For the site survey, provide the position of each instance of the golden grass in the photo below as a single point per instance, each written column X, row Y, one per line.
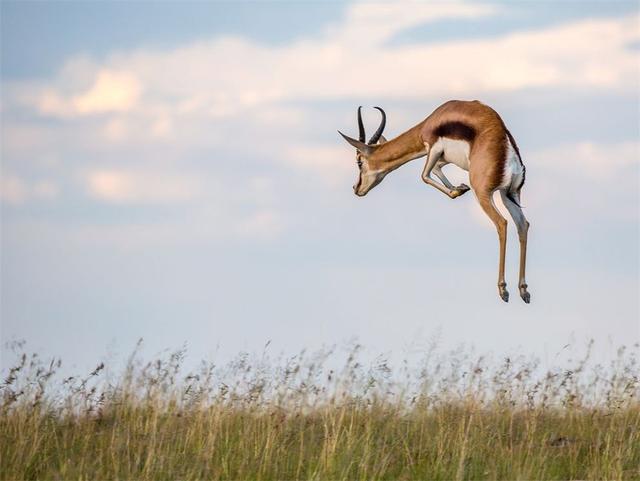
column 450, row 418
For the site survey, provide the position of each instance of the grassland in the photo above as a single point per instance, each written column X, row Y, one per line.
column 451, row 416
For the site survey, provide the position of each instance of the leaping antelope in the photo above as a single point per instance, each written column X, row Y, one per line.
column 470, row 135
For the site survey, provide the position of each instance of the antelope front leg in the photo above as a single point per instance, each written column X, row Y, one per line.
column 452, row 192
column 462, row 188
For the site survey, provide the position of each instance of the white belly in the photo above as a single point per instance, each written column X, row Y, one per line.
column 453, row 152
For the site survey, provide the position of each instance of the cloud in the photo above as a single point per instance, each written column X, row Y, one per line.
column 213, row 210
column 330, row 164
column 263, row 224
column 111, row 91
column 596, row 180
column 588, row 179
column 248, row 109
column 141, row 187
column 590, row 159
column 238, row 89
column 201, row 225
column 232, row 75
column 15, row 190
column 377, row 22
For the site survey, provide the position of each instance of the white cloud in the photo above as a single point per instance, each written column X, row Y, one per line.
column 330, row 164
column 238, row 101
column 144, row 96
column 203, row 223
column 589, row 159
column 15, row 190
column 214, row 210
column 12, row 189
column 230, row 75
column 263, row 224
column 588, row 179
column 146, row 187
column 596, row 180
column 376, row 23
column 111, row 91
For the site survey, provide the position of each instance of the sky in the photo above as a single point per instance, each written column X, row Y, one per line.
column 172, row 172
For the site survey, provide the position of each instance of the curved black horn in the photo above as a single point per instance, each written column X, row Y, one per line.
column 378, row 133
column 361, row 137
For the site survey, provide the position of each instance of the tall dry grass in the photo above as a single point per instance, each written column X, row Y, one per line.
column 449, row 417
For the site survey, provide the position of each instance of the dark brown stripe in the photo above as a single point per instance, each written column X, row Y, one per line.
column 456, row 130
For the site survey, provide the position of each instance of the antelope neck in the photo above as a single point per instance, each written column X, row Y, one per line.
column 398, row 151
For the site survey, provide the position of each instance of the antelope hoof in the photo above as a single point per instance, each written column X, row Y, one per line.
column 526, row 297
column 504, row 294
column 459, row 190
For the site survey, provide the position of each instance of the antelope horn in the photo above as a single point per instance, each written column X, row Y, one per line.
column 378, row 133
column 361, row 137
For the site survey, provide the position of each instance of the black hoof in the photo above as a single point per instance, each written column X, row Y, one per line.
column 504, row 294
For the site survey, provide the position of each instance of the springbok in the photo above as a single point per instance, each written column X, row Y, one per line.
column 470, row 135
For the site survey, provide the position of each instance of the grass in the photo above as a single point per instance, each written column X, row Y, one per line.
column 449, row 417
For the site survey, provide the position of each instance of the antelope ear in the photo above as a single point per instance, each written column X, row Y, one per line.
column 382, row 140
column 361, row 146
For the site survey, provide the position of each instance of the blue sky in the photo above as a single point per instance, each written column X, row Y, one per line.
column 172, row 171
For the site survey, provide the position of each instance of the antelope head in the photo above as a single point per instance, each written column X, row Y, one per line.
column 370, row 174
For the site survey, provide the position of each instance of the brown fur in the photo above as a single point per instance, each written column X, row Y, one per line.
column 473, row 121
column 393, row 153
column 487, row 135
column 488, row 148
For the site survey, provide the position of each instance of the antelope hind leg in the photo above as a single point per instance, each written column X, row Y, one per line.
column 523, row 228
